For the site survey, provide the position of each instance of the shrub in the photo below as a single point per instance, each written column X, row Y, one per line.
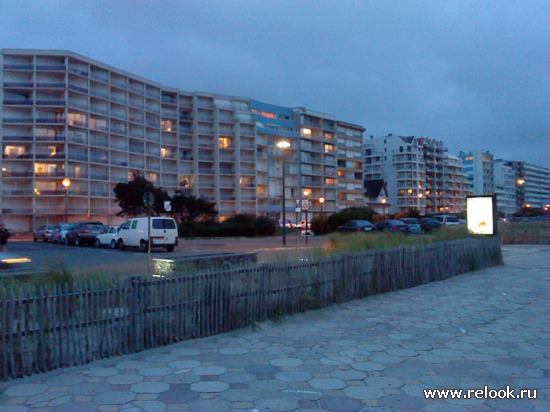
column 265, row 226
column 239, row 225
column 319, row 225
column 193, row 229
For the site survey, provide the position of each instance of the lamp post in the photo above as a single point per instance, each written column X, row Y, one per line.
column 322, row 202
column 307, row 192
column 384, row 200
column 66, row 183
column 283, row 145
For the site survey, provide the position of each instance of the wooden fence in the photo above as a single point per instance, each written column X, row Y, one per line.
column 75, row 324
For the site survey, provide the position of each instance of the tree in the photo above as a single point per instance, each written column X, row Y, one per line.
column 130, row 196
column 191, row 209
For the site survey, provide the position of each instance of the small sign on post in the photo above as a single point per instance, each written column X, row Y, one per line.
column 305, row 204
column 148, row 201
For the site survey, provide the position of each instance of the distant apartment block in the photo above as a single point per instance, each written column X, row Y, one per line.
column 532, row 185
column 64, row 115
column 405, row 173
column 505, row 187
column 479, row 170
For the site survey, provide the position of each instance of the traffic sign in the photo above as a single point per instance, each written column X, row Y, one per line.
column 305, row 204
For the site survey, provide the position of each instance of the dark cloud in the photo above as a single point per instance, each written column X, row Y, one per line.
column 474, row 74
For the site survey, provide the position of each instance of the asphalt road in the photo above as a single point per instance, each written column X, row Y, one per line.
column 88, row 259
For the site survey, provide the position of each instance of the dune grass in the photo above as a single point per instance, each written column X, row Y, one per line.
column 355, row 242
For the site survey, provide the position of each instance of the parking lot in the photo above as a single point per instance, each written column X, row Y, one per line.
column 88, row 259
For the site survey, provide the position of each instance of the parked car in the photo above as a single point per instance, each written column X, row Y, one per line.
column 413, row 223
column 84, row 233
column 135, row 232
column 447, row 220
column 43, row 233
column 110, row 238
column 289, row 224
column 60, row 231
column 392, row 225
column 429, row 223
column 302, row 224
column 356, row 226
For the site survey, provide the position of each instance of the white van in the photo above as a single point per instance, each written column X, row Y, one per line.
column 133, row 233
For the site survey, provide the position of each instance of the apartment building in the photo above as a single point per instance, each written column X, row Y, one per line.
column 479, row 170
column 349, row 138
column 505, row 187
column 404, row 173
column 532, row 185
column 72, row 128
column 318, row 162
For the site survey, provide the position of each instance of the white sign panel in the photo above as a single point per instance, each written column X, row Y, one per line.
column 480, row 215
column 305, row 204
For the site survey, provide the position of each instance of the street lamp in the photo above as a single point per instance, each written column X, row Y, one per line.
column 306, row 192
column 322, row 202
column 66, row 183
column 283, row 145
column 384, row 200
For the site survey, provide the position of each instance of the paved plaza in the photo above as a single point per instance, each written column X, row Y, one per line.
column 489, row 328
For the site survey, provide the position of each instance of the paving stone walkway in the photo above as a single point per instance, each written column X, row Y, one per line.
column 490, row 327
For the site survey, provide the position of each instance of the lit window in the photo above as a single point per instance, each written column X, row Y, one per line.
column 329, row 148
column 224, row 142
column 306, row 132
column 14, row 151
column 76, row 119
column 410, row 191
column 166, row 125
column 163, row 152
column 270, row 115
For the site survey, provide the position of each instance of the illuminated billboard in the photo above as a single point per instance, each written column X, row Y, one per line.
column 482, row 219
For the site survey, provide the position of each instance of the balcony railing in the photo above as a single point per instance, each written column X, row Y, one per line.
column 51, row 67
column 50, row 85
column 18, row 102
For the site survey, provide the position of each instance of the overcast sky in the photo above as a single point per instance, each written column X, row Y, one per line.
column 475, row 74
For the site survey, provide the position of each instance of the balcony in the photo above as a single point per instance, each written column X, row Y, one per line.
column 51, row 120
column 55, row 102
column 50, row 85
column 18, row 66
column 17, row 119
column 51, row 67
column 78, row 88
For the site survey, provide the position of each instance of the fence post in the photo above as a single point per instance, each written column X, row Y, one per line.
column 136, row 315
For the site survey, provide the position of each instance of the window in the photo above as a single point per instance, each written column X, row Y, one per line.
column 166, row 125
column 134, row 224
column 163, row 224
column 224, row 142
column 77, row 119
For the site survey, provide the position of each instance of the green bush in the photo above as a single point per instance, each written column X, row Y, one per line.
column 239, row 225
column 265, row 226
column 319, row 225
column 193, row 229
